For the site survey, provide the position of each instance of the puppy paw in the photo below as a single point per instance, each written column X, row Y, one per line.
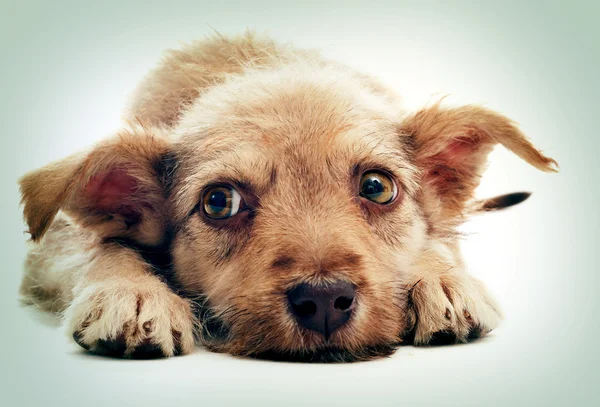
column 131, row 320
column 450, row 308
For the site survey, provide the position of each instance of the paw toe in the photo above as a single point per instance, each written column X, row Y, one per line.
column 111, row 347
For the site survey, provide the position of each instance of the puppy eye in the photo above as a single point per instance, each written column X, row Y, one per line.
column 378, row 187
column 221, row 202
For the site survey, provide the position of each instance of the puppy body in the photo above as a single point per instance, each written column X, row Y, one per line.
column 294, row 134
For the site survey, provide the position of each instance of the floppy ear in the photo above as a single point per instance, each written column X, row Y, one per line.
column 118, row 189
column 451, row 149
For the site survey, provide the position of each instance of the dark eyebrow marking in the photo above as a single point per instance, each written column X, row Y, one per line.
column 343, row 260
column 355, row 170
column 283, row 262
column 165, row 169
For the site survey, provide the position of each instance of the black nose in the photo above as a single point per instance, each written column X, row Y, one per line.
column 322, row 308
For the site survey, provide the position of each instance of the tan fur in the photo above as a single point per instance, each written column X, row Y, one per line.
column 119, row 298
column 59, row 186
column 293, row 132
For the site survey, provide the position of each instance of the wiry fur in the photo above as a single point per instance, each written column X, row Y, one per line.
column 123, row 249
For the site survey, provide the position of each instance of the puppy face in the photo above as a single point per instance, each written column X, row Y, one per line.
column 297, row 155
column 301, row 152
column 297, row 205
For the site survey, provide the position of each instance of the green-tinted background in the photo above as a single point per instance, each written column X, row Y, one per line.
column 67, row 68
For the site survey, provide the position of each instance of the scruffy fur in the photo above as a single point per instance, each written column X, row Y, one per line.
column 121, row 249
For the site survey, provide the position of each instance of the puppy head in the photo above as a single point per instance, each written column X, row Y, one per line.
column 327, row 194
column 299, row 205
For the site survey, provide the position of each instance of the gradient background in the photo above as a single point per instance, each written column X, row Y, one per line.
column 66, row 71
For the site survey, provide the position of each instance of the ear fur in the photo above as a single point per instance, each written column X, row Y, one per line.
column 451, row 149
column 43, row 192
column 117, row 188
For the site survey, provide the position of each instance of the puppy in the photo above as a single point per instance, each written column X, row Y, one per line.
column 266, row 202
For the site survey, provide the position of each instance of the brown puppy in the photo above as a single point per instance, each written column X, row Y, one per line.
column 270, row 203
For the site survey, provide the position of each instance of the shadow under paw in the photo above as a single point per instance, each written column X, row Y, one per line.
column 117, row 348
column 446, row 337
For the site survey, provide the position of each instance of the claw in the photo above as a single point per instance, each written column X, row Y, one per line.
column 78, row 338
column 475, row 332
column 111, row 347
column 443, row 338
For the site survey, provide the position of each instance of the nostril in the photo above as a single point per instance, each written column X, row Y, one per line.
column 343, row 303
column 305, row 309
column 322, row 308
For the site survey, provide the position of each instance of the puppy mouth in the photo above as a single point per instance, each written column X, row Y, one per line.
column 330, row 354
column 217, row 336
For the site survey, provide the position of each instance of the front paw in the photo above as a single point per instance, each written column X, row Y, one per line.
column 127, row 319
column 450, row 308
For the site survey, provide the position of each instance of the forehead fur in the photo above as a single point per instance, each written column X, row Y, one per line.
column 323, row 120
column 292, row 91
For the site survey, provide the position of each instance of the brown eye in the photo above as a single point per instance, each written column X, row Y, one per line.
column 220, row 202
column 377, row 187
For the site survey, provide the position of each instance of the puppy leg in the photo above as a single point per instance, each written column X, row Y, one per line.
column 446, row 305
column 120, row 308
column 52, row 267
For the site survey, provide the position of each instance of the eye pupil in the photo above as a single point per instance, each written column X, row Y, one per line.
column 377, row 187
column 221, row 202
column 373, row 187
column 217, row 201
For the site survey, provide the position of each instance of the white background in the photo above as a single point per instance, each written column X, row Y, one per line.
column 67, row 71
